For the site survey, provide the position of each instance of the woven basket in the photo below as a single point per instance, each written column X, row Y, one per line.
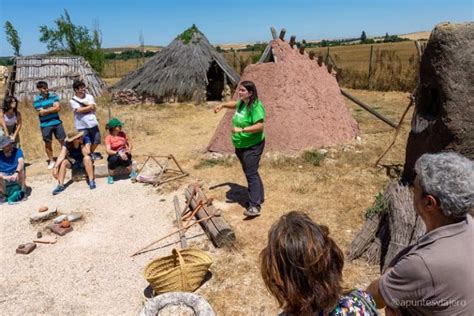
column 182, row 271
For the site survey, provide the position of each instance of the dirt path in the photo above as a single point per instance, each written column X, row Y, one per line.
column 89, row 269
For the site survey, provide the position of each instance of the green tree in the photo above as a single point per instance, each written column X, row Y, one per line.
column 68, row 38
column 363, row 37
column 13, row 38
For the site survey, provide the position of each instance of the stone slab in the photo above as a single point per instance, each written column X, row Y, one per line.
column 26, row 249
column 58, row 230
column 40, row 217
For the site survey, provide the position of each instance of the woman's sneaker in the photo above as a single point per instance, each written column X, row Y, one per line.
column 58, row 189
column 51, row 164
column 92, row 185
column 110, row 180
column 252, row 212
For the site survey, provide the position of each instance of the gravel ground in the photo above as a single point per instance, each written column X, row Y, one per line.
column 88, row 271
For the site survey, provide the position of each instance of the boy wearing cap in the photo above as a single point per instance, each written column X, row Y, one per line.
column 12, row 169
column 74, row 154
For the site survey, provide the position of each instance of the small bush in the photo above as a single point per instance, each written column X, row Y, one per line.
column 212, row 162
column 380, row 206
column 313, row 157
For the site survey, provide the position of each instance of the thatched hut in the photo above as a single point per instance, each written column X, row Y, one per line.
column 187, row 69
column 58, row 71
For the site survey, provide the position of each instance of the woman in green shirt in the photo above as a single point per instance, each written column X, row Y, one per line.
column 249, row 140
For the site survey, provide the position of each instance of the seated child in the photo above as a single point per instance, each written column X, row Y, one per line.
column 74, row 154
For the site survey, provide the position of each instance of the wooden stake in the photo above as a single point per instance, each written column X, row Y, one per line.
column 274, row 33
column 282, row 34
column 302, row 49
column 396, row 131
column 311, row 55
column 292, row 41
column 320, row 60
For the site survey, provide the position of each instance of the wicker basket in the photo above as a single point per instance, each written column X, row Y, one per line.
column 182, row 271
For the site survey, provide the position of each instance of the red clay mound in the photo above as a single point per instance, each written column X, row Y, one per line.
column 303, row 103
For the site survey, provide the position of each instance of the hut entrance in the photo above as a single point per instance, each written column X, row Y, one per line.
column 215, row 76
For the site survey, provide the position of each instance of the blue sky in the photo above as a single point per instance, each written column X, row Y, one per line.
column 228, row 21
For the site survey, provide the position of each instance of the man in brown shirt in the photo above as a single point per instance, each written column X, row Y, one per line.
column 436, row 275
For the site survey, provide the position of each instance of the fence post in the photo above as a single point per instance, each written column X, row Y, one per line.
column 370, row 62
column 115, row 67
column 326, row 61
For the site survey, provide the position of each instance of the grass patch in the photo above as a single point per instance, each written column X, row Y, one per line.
column 212, row 162
column 313, row 157
column 380, row 206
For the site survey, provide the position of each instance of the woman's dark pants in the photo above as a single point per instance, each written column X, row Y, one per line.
column 250, row 158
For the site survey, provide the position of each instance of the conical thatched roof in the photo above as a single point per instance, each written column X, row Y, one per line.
column 58, row 71
column 180, row 69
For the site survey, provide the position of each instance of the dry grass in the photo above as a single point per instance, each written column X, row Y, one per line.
column 119, row 68
column 336, row 193
column 356, row 57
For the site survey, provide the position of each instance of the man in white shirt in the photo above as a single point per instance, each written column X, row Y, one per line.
column 83, row 105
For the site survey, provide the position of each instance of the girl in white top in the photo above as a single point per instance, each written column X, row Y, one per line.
column 10, row 119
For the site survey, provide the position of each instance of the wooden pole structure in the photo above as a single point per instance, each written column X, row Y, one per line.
column 326, row 61
column 311, row 55
column 368, row 108
column 274, row 33
column 292, row 41
column 282, row 34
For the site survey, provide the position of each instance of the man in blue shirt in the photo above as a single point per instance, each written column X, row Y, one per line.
column 47, row 105
column 12, row 166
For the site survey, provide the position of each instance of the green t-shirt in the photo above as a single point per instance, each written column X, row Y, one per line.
column 244, row 117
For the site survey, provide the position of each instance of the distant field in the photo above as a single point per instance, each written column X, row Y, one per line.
column 394, row 65
column 356, row 57
column 417, row 36
column 118, row 68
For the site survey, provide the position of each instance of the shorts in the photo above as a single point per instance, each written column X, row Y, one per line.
column 116, row 161
column 48, row 131
column 92, row 133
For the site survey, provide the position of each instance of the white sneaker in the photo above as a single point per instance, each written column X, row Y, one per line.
column 51, row 165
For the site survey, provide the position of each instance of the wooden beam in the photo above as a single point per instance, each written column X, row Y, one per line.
column 282, row 34
column 216, row 228
column 368, row 109
column 179, row 224
column 274, row 33
column 292, row 41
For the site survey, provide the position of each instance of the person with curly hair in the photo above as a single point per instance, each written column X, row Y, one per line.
column 302, row 268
